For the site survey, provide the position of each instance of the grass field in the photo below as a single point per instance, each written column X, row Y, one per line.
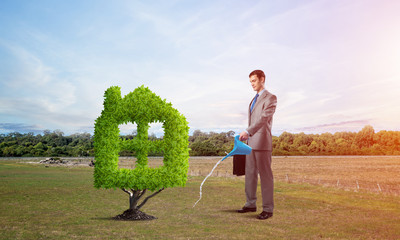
column 60, row 203
column 380, row 174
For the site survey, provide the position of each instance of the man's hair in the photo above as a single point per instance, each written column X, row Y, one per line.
column 259, row 74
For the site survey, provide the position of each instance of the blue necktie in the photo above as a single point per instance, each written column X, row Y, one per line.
column 254, row 102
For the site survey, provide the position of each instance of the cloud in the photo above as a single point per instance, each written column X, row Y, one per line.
column 335, row 127
column 20, row 127
column 37, row 79
column 197, row 56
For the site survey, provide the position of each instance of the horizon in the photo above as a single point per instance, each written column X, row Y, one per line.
column 333, row 65
column 125, row 133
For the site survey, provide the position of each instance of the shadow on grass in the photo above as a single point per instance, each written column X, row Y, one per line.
column 233, row 212
column 103, row 218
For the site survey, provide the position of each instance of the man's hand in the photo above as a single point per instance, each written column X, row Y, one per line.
column 243, row 136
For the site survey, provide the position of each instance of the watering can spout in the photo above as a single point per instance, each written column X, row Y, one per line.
column 239, row 148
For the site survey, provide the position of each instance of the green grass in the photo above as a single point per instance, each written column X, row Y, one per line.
column 61, row 203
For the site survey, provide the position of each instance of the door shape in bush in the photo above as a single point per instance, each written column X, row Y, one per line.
column 141, row 107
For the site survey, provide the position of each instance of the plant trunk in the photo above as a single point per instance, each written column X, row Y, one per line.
column 134, row 197
column 132, row 202
column 133, row 213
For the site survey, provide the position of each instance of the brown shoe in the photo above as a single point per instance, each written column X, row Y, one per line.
column 265, row 215
column 246, row 209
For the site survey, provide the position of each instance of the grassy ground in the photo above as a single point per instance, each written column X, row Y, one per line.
column 61, row 203
column 378, row 174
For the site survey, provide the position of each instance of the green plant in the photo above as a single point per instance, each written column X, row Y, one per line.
column 141, row 107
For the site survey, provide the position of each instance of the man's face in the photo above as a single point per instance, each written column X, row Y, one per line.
column 257, row 84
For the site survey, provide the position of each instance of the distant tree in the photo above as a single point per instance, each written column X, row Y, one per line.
column 211, row 144
column 39, row 149
column 365, row 138
column 314, row 147
column 203, row 148
column 302, row 139
column 287, row 138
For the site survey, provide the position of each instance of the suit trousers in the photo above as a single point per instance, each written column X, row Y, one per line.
column 259, row 162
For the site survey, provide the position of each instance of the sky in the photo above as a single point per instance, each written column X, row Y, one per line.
column 333, row 65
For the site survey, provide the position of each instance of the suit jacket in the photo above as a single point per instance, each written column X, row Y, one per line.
column 260, row 122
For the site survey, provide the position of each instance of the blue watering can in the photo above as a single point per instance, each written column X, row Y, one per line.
column 239, row 148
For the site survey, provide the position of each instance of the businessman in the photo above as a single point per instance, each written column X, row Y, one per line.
column 259, row 138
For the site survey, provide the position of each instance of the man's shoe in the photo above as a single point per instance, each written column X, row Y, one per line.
column 265, row 215
column 246, row 209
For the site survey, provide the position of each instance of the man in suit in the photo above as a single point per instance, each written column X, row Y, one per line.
column 259, row 137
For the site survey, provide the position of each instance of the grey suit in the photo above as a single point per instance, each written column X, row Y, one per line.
column 259, row 161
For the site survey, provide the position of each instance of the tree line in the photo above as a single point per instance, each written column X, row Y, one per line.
column 51, row 144
column 364, row 142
